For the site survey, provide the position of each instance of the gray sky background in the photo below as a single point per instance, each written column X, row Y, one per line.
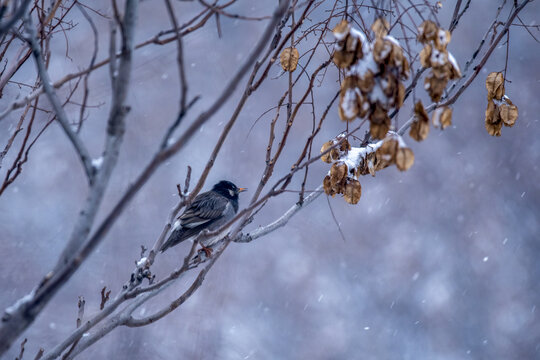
column 439, row 262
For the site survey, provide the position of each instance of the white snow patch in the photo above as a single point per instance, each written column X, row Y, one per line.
column 349, row 104
column 437, row 116
column 25, row 299
column 453, row 61
column 96, row 163
column 377, row 94
column 392, row 39
column 142, row 262
column 438, row 57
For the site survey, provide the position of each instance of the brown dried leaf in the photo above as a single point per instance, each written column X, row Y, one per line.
column 404, row 158
column 289, row 59
column 495, row 85
column 509, row 114
column 380, row 27
column 352, row 192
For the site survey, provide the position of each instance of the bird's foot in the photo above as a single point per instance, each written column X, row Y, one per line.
column 207, row 251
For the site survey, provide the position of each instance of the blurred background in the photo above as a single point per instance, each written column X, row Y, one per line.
column 439, row 262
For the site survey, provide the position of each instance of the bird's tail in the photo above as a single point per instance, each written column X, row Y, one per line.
column 176, row 236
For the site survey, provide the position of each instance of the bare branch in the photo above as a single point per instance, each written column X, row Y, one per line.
column 281, row 221
column 18, row 14
column 61, row 115
column 23, row 313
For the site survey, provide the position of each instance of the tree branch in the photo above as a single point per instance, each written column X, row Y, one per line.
column 61, row 115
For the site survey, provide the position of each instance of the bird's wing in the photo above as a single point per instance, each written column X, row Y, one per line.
column 206, row 207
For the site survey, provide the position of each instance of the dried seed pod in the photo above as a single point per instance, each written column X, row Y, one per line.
column 493, row 119
column 404, row 68
column 382, row 49
column 338, row 173
column 442, row 117
column 427, row 31
column 435, row 86
column 495, row 85
column 390, row 85
column 289, row 59
column 509, row 114
column 349, row 99
column 366, row 82
column 327, row 185
column 341, row 30
column 420, row 126
column 494, row 129
column 327, row 158
column 378, row 114
column 379, row 131
column 491, row 112
column 370, row 162
column 343, row 59
column 399, row 96
column 386, row 154
column 425, row 56
column 404, row 158
column 349, row 104
column 442, row 39
column 380, row 27
column 344, row 146
column 352, row 192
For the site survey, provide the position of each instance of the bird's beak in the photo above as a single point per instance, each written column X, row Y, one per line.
column 242, row 190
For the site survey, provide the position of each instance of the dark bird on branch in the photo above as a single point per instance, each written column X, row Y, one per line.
column 208, row 211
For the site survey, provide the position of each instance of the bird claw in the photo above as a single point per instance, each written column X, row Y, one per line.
column 207, row 251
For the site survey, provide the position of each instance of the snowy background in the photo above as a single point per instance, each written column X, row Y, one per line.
column 439, row 262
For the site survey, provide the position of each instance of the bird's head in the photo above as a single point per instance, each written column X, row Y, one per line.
column 228, row 189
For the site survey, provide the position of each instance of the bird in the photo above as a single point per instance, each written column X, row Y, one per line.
column 208, row 211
